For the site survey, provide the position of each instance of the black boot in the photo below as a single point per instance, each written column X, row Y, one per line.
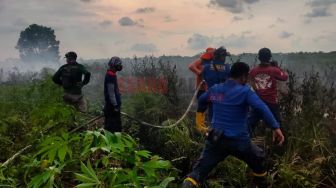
column 259, row 182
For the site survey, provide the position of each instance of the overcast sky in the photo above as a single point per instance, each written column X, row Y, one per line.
column 104, row 28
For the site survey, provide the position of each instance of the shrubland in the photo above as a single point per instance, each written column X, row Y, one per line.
column 32, row 113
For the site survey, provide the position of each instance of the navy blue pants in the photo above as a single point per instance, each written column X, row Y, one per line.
column 112, row 119
column 216, row 151
column 255, row 116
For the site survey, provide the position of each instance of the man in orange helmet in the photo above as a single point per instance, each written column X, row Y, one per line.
column 197, row 68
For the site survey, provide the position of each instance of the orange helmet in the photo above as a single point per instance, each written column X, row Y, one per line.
column 209, row 53
column 210, row 50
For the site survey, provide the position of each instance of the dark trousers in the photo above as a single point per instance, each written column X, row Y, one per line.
column 112, row 119
column 255, row 116
column 77, row 101
column 217, row 148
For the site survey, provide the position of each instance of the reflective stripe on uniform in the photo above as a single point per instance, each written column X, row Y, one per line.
column 194, row 182
column 259, row 175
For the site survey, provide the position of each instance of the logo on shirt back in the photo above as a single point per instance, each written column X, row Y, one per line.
column 218, row 67
column 216, row 97
column 263, row 81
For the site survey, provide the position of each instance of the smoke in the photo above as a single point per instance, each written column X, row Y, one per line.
column 10, row 67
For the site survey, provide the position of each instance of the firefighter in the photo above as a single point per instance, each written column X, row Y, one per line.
column 229, row 133
column 215, row 72
column 197, row 68
column 264, row 79
column 112, row 96
column 70, row 77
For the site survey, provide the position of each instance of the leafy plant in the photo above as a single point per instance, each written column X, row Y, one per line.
column 46, row 178
column 89, row 177
column 6, row 181
column 118, row 163
column 57, row 147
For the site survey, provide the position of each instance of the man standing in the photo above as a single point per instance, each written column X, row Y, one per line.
column 217, row 71
column 112, row 96
column 264, row 79
column 213, row 73
column 197, row 68
column 70, row 76
column 229, row 133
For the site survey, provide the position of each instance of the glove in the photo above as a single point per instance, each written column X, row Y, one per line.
column 200, row 123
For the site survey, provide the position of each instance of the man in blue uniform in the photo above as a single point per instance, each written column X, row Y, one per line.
column 229, row 133
column 112, row 96
column 215, row 72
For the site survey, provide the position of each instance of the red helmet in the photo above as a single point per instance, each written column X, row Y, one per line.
column 209, row 53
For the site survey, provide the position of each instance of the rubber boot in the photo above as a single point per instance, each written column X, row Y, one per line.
column 189, row 183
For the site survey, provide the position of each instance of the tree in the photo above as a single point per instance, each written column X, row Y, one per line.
column 38, row 43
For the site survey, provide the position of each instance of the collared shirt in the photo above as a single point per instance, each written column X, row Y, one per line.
column 215, row 73
column 230, row 103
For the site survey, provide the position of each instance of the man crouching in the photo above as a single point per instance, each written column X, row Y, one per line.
column 229, row 134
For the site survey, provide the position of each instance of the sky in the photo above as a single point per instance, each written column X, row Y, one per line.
column 105, row 28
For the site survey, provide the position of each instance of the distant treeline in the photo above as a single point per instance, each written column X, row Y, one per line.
column 298, row 62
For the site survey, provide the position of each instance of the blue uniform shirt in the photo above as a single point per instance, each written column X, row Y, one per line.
column 215, row 75
column 206, row 62
column 230, row 102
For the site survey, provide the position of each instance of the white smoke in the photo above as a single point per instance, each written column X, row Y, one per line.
column 16, row 66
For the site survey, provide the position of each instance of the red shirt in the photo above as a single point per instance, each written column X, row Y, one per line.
column 264, row 81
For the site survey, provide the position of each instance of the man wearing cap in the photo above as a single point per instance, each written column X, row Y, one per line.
column 197, row 68
column 215, row 72
column 264, row 79
column 112, row 96
column 70, row 77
